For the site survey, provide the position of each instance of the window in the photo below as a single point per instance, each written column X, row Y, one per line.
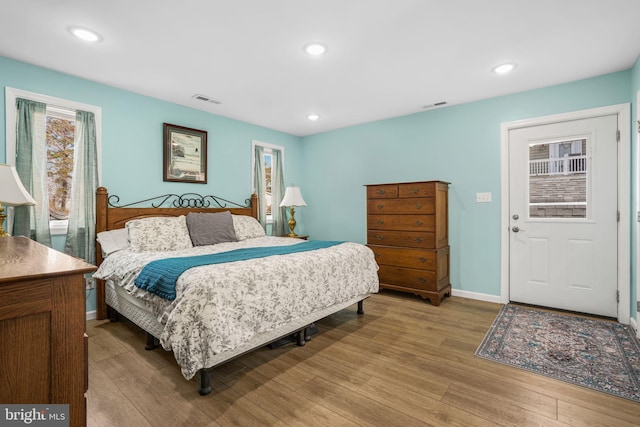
column 60, row 136
column 269, row 174
column 558, row 177
column 268, row 162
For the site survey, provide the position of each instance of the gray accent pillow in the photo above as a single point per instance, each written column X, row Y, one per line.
column 211, row 228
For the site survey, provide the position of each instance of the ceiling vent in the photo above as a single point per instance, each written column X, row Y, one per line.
column 437, row 104
column 206, row 99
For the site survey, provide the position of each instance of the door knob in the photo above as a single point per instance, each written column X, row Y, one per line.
column 515, row 229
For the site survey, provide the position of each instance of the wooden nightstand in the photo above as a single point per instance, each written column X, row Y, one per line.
column 298, row 237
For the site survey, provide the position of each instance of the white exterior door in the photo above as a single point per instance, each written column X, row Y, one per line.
column 563, row 213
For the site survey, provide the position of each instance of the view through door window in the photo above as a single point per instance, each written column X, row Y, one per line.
column 558, row 176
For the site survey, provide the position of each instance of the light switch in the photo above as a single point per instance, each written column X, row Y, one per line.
column 483, row 197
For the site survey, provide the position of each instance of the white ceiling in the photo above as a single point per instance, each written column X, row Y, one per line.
column 386, row 58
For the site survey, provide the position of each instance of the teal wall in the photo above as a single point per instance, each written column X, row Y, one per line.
column 132, row 138
column 459, row 144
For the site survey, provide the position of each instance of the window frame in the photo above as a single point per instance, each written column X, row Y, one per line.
column 268, row 150
column 56, row 227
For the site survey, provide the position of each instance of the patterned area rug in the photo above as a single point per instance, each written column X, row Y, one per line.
column 598, row 354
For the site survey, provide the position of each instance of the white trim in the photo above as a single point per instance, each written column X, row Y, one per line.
column 624, row 181
column 475, row 295
column 91, row 315
column 634, row 326
column 636, row 128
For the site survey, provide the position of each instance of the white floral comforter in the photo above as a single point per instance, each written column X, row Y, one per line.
column 219, row 307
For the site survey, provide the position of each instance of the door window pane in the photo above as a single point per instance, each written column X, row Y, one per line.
column 558, row 179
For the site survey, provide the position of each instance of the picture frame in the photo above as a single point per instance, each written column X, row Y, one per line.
column 184, row 154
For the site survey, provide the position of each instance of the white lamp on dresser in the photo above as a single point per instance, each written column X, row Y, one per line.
column 12, row 193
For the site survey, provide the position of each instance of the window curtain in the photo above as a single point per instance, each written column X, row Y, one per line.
column 31, row 165
column 80, row 240
column 278, row 215
column 258, row 184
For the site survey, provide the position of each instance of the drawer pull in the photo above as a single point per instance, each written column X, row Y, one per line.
column 422, row 259
column 415, row 190
column 380, row 221
column 418, row 205
column 381, row 192
column 380, row 237
column 421, row 279
column 418, row 239
column 380, row 206
column 418, row 222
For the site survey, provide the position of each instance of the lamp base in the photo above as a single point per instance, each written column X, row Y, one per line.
column 292, row 222
column 3, row 233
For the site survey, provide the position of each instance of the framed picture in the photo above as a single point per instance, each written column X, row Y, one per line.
column 185, row 154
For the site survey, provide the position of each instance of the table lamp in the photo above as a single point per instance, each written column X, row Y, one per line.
column 292, row 197
column 12, row 193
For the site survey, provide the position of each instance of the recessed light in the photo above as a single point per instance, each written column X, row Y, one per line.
column 504, row 68
column 85, row 34
column 313, row 117
column 315, row 49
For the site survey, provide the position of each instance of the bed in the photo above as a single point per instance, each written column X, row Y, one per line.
column 224, row 289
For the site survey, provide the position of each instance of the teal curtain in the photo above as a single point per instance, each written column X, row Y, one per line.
column 31, row 164
column 258, row 184
column 84, row 182
column 278, row 215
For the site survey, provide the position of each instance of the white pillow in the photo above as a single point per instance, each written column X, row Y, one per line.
column 113, row 240
column 159, row 234
column 247, row 227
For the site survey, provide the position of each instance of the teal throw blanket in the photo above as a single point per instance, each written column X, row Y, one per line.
column 159, row 277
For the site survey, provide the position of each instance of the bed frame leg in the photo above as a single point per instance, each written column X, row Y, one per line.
column 114, row 316
column 205, row 382
column 152, row 342
column 300, row 337
column 360, row 305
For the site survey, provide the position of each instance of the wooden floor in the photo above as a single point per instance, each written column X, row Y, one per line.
column 404, row 363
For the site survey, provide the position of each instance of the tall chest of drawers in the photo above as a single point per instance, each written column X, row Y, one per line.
column 407, row 229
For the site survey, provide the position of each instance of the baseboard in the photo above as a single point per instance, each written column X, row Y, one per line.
column 91, row 315
column 475, row 295
column 634, row 324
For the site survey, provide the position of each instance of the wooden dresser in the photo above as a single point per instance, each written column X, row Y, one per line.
column 42, row 323
column 407, row 229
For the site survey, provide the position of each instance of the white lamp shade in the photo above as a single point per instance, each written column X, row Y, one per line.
column 12, row 192
column 293, row 197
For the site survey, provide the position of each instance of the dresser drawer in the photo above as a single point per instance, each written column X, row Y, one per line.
column 400, row 257
column 409, row 239
column 418, row 205
column 408, row 277
column 417, row 189
column 385, row 191
column 402, row 222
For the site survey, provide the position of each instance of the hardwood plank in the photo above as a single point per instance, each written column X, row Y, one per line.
column 419, row 405
column 355, row 406
column 403, row 362
column 583, row 416
column 105, row 405
column 501, row 412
